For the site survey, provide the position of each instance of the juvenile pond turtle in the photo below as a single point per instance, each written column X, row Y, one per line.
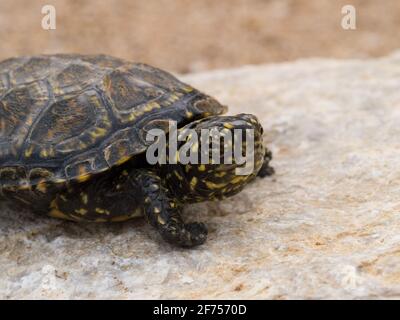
column 73, row 142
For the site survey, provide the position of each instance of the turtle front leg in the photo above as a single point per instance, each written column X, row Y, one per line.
column 164, row 213
column 266, row 170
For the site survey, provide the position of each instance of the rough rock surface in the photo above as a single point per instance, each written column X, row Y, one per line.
column 326, row 226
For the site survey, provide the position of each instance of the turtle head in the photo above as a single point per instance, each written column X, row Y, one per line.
column 228, row 154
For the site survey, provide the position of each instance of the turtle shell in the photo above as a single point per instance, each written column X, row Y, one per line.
column 67, row 117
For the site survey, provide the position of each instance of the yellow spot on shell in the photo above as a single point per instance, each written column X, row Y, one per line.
column 148, row 107
column 44, row 153
column 83, row 178
column 98, row 132
column 83, row 175
column 28, row 152
column 122, row 160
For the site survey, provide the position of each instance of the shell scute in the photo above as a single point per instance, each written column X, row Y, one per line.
column 68, row 117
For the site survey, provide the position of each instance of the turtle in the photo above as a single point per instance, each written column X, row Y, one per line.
column 73, row 143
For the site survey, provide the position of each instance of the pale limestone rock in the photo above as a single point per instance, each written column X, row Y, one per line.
column 327, row 225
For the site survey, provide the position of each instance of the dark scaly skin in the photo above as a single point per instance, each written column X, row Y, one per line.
column 163, row 212
column 72, row 131
column 158, row 193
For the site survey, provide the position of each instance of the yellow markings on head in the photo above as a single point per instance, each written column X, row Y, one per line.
column 172, row 204
column 202, row 167
column 81, row 211
column 84, row 197
column 193, row 183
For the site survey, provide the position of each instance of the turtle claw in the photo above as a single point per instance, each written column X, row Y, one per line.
column 186, row 235
column 266, row 170
column 197, row 234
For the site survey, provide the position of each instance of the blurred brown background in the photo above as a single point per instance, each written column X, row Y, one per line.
column 193, row 35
